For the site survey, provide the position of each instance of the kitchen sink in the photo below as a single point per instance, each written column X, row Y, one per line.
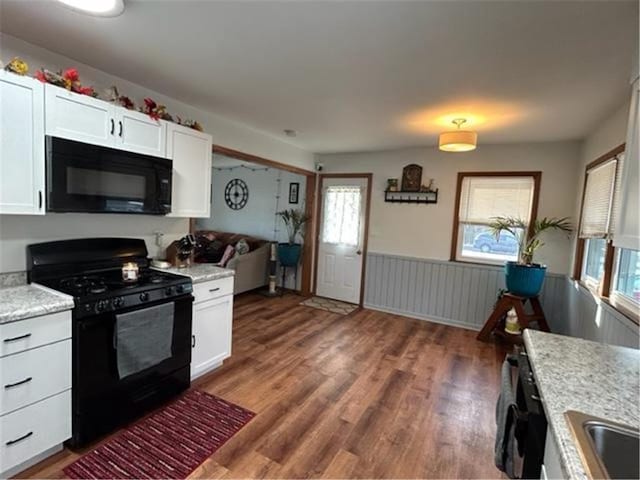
column 608, row 449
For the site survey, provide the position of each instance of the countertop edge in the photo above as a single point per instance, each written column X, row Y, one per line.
column 559, row 440
column 59, row 303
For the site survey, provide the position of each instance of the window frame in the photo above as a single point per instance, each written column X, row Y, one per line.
column 605, row 289
column 455, row 237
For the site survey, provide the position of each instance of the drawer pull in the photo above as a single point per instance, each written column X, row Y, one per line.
column 211, row 290
column 15, row 339
column 23, row 437
column 193, row 341
column 21, row 382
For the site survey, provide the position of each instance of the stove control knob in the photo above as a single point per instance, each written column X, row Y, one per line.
column 179, row 288
column 144, row 296
column 168, row 291
column 101, row 305
column 118, row 302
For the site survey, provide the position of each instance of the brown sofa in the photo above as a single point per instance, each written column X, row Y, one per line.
column 252, row 268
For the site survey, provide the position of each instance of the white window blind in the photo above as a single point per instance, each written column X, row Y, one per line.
column 484, row 198
column 615, row 207
column 341, row 223
column 598, row 200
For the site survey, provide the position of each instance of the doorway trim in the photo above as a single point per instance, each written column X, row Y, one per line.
column 367, row 213
column 310, row 206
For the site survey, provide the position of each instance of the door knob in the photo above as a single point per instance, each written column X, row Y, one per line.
column 359, row 252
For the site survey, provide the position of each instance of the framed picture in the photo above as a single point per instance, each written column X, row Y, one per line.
column 294, row 188
column 411, row 178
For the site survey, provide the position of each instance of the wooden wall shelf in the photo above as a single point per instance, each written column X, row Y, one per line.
column 411, row 197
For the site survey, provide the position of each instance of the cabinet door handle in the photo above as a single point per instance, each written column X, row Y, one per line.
column 193, row 341
column 21, row 382
column 113, row 126
column 19, row 439
column 15, row 339
column 39, row 199
column 120, row 131
column 211, row 290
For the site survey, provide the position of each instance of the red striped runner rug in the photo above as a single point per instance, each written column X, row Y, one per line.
column 170, row 443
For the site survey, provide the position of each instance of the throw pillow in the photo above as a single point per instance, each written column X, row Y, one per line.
column 228, row 253
column 242, row 247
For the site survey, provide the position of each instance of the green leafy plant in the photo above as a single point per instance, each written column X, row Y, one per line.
column 528, row 236
column 294, row 220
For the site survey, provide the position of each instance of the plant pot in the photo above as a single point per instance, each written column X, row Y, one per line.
column 289, row 254
column 524, row 280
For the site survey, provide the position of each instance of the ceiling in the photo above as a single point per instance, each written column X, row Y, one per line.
column 359, row 75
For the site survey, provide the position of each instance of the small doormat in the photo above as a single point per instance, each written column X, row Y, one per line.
column 170, row 443
column 333, row 306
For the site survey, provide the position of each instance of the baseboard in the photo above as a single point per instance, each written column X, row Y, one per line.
column 431, row 318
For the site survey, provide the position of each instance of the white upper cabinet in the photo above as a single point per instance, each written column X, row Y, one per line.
column 79, row 117
column 627, row 232
column 89, row 120
column 21, row 145
column 190, row 152
column 137, row 132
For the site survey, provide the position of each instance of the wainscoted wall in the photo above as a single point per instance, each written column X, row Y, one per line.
column 587, row 317
column 448, row 292
column 464, row 294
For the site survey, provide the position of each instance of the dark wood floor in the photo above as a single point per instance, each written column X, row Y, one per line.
column 368, row 395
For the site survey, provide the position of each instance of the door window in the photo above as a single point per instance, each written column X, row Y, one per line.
column 341, row 222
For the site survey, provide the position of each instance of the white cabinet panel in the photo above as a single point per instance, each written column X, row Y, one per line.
column 191, row 153
column 213, row 289
column 137, row 132
column 21, row 145
column 31, row 376
column 79, row 117
column 212, row 325
column 627, row 232
column 30, row 431
column 34, row 332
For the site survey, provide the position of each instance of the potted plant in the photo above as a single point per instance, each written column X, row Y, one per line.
column 524, row 278
column 294, row 220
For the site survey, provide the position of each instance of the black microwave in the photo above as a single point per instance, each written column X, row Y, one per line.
column 96, row 179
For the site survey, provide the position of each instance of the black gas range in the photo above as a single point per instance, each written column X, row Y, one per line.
column 131, row 339
column 106, row 291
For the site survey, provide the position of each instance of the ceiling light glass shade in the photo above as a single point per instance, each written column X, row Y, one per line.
column 102, row 8
column 458, row 141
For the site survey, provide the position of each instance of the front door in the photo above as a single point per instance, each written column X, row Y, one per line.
column 341, row 238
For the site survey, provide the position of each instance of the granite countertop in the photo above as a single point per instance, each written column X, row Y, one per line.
column 593, row 378
column 201, row 272
column 26, row 301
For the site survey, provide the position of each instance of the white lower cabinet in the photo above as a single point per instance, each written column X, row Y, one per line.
column 35, row 389
column 551, row 468
column 212, row 327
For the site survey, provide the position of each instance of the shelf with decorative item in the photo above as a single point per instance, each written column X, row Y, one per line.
column 411, row 197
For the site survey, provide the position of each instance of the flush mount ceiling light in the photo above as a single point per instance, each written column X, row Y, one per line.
column 458, row 140
column 100, row 8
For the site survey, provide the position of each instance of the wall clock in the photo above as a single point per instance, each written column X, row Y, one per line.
column 236, row 194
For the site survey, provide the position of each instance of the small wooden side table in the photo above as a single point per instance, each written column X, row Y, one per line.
column 495, row 322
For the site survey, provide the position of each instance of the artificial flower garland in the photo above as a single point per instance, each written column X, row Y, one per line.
column 70, row 79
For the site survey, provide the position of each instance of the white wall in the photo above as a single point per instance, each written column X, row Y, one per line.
column 424, row 231
column 258, row 217
column 18, row 231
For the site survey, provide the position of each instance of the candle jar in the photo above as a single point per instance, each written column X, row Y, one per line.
column 130, row 272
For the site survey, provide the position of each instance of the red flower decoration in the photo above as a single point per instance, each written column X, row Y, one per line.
column 85, row 91
column 71, row 74
column 41, row 76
